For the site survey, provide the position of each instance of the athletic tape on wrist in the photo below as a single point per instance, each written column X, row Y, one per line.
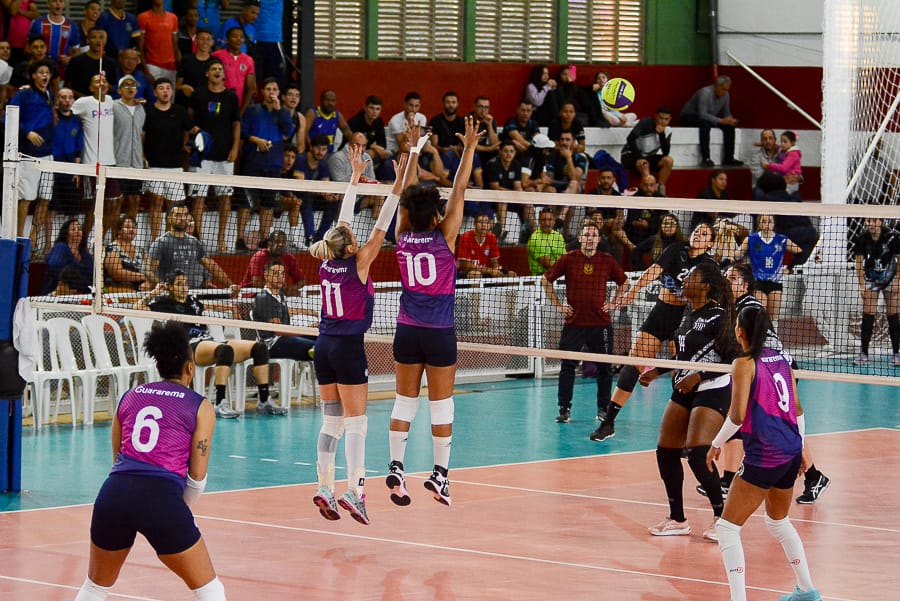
column 801, row 426
column 193, row 489
column 727, row 431
column 347, row 205
column 387, row 212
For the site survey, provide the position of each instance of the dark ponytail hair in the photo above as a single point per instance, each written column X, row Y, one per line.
column 720, row 291
column 755, row 322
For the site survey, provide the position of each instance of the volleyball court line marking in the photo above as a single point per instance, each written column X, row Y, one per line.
column 71, row 588
column 495, row 554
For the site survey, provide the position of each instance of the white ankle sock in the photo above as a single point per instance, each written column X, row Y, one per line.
column 785, row 533
column 91, row 591
column 213, row 590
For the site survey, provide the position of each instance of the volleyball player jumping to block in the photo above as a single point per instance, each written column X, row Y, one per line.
column 425, row 341
column 161, row 436
column 348, row 301
column 766, row 410
column 671, row 267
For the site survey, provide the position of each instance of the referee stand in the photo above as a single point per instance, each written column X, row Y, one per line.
column 14, row 256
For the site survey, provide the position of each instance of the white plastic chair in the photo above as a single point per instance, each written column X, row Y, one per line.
column 137, row 328
column 97, row 327
column 47, row 371
column 86, row 374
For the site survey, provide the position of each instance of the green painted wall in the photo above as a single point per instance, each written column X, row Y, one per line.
column 677, row 32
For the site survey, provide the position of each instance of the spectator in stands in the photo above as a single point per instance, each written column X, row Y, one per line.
column 270, row 306
column 209, row 13
column 19, row 25
column 186, row 37
column 166, row 129
column 729, row 233
column 767, row 152
column 274, row 251
column 313, row 165
column 641, row 224
column 521, row 129
column 70, row 283
column 489, row 142
column 546, row 245
column 68, row 144
column 267, row 52
column 396, row 128
column 264, row 128
column 70, row 248
column 611, row 223
column 290, row 199
column 214, row 110
column 648, row 145
column 587, row 321
column 446, row 124
column 326, row 120
column 123, row 261
column 192, row 68
column 35, row 139
column 240, row 74
column 59, row 33
column 567, row 90
column 173, row 296
column 87, row 64
column 341, row 170
column 477, row 252
column 788, row 162
column 37, row 53
column 290, row 99
column 567, row 122
column 130, row 64
column 5, row 70
column 431, row 168
column 709, row 107
column 606, row 183
column 534, row 167
column 646, row 253
column 716, row 190
column 504, row 172
column 599, row 114
column 539, row 92
column 128, row 129
column 122, row 30
column 245, row 22
column 89, row 19
column 451, row 160
column 369, row 122
column 567, row 170
column 160, row 29
column 177, row 250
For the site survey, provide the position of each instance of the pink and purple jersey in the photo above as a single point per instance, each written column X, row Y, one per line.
column 770, row 433
column 347, row 303
column 428, row 275
column 158, row 422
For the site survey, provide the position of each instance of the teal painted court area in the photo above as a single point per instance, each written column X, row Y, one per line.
column 496, row 423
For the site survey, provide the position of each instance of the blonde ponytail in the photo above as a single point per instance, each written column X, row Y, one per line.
column 333, row 245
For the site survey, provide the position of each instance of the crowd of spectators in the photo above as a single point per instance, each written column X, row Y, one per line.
column 191, row 91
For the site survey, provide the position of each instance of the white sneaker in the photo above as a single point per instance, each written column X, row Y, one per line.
column 861, row 359
column 669, row 527
column 895, row 360
column 710, row 533
column 226, row 412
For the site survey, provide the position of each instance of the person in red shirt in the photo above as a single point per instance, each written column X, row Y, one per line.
column 477, row 252
column 586, row 311
column 275, row 250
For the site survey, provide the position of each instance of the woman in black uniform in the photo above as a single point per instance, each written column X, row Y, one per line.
column 876, row 251
column 700, row 399
column 172, row 296
column 670, row 268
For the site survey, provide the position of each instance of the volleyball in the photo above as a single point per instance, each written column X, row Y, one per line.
column 617, row 94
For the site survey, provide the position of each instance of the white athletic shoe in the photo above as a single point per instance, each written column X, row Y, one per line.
column 397, row 483
column 861, row 359
column 669, row 527
column 710, row 533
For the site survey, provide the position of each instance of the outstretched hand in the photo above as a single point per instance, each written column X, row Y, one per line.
column 471, row 136
column 357, row 163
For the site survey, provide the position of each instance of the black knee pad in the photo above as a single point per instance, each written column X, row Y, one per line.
column 628, row 378
column 260, row 354
column 696, row 457
column 224, row 355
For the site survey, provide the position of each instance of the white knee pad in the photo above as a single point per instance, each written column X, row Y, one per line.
column 441, row 411
column 358, row 424
column 333, row 426
column 213, row 590
column 729, row 534
column 780, row 529
column 405, row 408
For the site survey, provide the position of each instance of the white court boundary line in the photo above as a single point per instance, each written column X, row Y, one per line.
column 71, row 588
column 493, row 554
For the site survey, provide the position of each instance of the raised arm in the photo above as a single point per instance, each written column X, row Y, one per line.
column 453, row 219
column 357, row 166
column 648, row 276
column 370, row 250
